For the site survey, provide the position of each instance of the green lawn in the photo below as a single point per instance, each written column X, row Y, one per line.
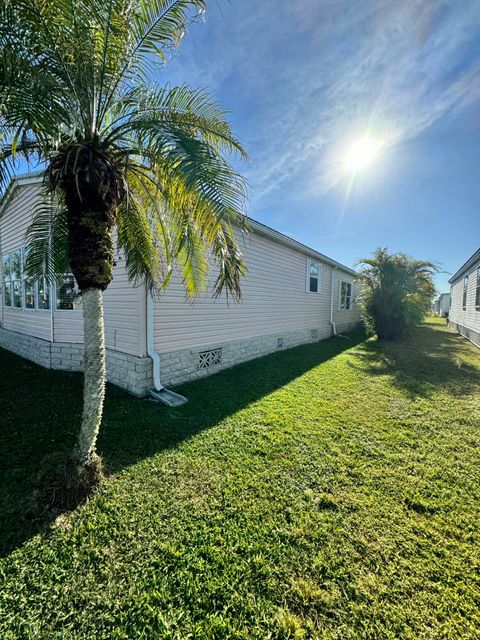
column 329, row 491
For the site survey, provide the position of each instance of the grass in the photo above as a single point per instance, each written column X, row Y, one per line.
column 328, row 492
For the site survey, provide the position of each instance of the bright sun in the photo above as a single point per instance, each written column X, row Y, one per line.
column 362, row 153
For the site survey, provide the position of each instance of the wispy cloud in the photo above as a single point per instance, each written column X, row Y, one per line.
column 309, row 76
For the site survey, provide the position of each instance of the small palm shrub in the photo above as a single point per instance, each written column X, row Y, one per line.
column 397, row 293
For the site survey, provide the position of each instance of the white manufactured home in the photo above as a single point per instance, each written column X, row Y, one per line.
column 464, row 314
column 442, row 305
column 291, row 295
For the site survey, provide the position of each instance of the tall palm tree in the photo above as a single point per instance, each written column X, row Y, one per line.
column 397, row 292
column 78, row 95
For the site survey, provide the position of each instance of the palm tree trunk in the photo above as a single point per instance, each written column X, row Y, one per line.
column 94, row 375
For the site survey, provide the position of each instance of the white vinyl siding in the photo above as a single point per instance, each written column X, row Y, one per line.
column 274, row 300
column 124, row 303
column 469, row 316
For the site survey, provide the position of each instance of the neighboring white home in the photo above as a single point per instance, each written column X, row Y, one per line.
column 442, row 305
column 464, row 314
column 291, row 295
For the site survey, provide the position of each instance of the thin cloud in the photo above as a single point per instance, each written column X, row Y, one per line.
column 313, row 75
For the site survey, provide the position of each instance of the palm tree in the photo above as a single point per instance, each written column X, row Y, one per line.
column 397, row 292
column 78, row 95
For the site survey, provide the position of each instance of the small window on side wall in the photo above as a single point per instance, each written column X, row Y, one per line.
column 345, row 302
column 313, row 276
column 477, row 291
column 465, row 290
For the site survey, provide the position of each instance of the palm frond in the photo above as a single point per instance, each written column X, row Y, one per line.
column 47, row 238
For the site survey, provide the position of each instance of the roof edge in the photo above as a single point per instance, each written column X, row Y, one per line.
column 22, row 179
column 277, row 236
column 465, row 266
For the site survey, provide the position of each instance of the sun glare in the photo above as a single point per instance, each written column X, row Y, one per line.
column 362, row 153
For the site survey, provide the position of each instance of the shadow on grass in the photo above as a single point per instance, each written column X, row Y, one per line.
column 423, row 362
column 40, row 413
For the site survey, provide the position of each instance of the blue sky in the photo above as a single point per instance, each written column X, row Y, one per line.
column 305, row 79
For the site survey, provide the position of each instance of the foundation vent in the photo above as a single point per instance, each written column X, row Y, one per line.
column 314, row 334
column 279, row 343
column 210, row 358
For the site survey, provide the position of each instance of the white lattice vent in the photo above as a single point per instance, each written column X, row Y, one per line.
column 210, row 358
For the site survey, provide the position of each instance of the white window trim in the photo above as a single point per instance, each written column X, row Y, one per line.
column 22, row 280
column 307, row 280
column 348, row 282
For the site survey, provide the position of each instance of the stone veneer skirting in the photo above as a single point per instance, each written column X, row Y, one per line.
column 135, row 374
column 132, row 373
column 471, row 334
column 183, row 365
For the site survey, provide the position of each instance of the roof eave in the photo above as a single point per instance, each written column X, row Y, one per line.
column 465, row 267
column 277, row 236
column 19, row 181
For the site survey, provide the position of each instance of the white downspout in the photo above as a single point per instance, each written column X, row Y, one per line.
column 331, row 303
column 159, row 393
column 157, row 385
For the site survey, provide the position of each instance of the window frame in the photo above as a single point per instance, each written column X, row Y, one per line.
column 348, row 295
column 24, row 288
column 4, row 281
column 477, row 291
column 311, row 262
column 48, row 288
column 55, row 290
column 22, row 284
column 16, row 280
column 465, row 293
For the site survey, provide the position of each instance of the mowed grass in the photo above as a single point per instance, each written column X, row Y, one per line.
column 331, row 491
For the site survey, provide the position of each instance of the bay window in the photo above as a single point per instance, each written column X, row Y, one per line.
column 43, row 299
column 69, row 297
column 29, row 293
column 7, row 284
column 16, row 277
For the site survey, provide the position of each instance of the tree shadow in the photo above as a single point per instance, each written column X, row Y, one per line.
column 422, row 363
column 40, row 411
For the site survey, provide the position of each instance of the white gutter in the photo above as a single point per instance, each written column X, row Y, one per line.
column 157, row 385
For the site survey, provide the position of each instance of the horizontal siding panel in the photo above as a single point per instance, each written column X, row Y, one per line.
column 274, row 300
column 470, row 318
column 32, row 323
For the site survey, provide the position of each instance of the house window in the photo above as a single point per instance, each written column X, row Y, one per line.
column 465, row 289
column 43, row 299
column 7, row 283
column 477, row 291
column 29, row 292
column 345, row 295
column 69, row 297
column 313, row 276
column 16, row 276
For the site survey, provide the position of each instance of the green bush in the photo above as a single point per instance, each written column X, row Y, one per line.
column 397, row 293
